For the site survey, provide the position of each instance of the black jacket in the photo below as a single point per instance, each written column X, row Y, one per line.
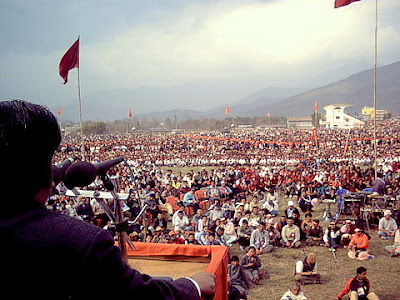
column 52, row 256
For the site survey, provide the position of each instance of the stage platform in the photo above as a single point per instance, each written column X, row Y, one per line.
column 176, row 261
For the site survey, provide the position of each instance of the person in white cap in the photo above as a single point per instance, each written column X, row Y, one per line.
column 387, row 226
column 291, row 209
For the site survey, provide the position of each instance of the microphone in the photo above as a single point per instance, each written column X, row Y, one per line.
column 84, row 173
column 60, row 169
column 103, row 167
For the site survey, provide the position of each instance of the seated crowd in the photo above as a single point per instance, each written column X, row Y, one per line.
column 224, row 214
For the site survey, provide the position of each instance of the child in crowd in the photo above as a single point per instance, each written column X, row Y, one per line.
column 251, row 264
column 237, row 280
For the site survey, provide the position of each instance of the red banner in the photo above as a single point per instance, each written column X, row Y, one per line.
column 69, row 61
column 339, row 3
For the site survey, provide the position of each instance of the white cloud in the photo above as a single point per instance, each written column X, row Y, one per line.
column 227, row 39
column 252, row 43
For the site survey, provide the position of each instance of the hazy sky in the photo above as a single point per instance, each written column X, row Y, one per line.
column 129, row 44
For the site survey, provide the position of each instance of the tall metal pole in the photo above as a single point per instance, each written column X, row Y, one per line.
column 375, row 67
column 80, row 110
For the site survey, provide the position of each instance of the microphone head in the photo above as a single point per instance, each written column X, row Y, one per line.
column 104, row 166
column 59, row 170
column 80, row 174
column 57, row 175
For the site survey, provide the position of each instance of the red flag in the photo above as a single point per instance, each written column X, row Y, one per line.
column 315, row 106
column 59, row 111
column 339, row 3
column 313, row 135
column 69, row 61
column 227, row 110
column 268, row 115
column 206, row 118
column 130, row 113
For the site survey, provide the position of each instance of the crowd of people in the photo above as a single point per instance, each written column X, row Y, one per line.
column 242, row 147
column 241, row 204
column 245, row 181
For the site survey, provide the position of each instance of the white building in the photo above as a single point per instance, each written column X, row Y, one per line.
column 337, row 118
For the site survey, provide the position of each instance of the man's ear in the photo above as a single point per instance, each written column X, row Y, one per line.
column 42, row 195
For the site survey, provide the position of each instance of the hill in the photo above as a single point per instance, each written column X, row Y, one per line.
column 356, row 89
column 286, row 102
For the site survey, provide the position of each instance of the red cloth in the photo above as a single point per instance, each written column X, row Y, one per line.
column 339, row 3
column 217, row 266
column 69, row 61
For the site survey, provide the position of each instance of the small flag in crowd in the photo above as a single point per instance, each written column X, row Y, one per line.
column 313, row 135
column 59, row 111
column 130, row 115
column 69, row 61
column 268, row 115
column 315, row 106
column 206, row 118
column 227, row 110
column 339, row 3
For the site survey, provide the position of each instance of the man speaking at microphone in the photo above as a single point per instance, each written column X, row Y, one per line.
column 52, row 256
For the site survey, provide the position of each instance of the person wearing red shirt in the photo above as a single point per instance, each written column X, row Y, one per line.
column 358, row 287
column 359, row 245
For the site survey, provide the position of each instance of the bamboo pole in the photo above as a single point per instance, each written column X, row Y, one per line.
column 80, row 109
column 375, row 69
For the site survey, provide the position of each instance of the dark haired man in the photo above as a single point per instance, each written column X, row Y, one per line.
column 358, row 287
column 35, row 238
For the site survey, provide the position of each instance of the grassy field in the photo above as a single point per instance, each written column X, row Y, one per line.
column 278, row 266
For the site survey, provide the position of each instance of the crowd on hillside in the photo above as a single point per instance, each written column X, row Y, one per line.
column 241, row 198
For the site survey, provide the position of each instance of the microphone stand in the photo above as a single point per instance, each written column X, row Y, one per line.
column 142, row 207
column 120, row 224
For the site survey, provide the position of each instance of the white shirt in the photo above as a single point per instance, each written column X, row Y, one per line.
column 389, row 225
column 290, row 296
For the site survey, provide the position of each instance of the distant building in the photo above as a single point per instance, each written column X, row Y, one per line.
column 300, row 123
column 245, row 126
column 368, row 114
column 271, row 126
column 337, row 118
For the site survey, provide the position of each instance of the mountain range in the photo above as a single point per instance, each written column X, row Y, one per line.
column 357, row 89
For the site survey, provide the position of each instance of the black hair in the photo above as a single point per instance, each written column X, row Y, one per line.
column 29, row 135
column 361, row 270
column 234, row 258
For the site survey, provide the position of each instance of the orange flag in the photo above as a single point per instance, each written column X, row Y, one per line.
column 59, row 111
column 227, row 110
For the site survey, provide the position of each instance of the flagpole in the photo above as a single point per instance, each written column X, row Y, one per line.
column 375, row 69
column 80, row 110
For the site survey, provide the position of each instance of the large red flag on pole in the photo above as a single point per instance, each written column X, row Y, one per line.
column 227, row 110
column 339, row 3
column 315, row 106
column 69, row 61
column 130, row 115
